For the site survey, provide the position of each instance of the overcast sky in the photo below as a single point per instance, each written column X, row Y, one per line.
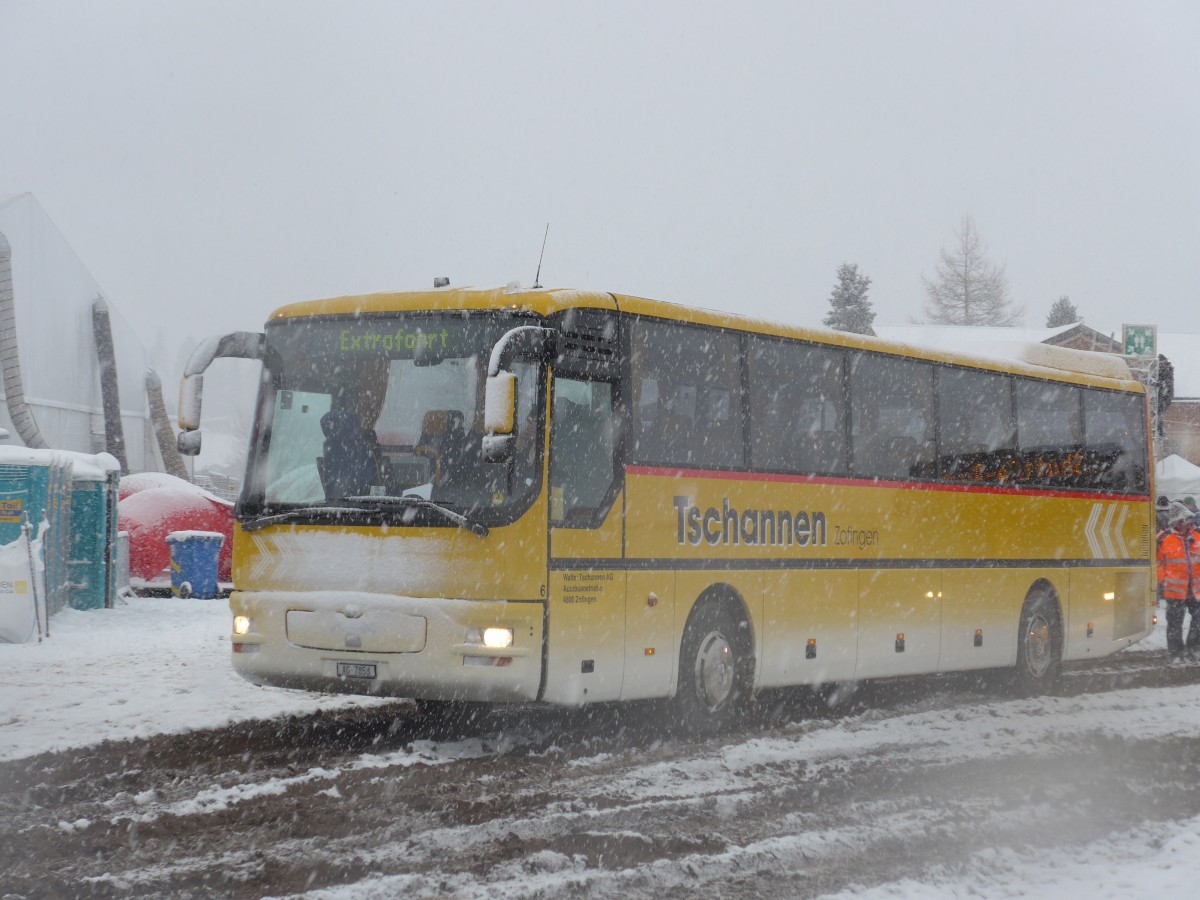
column 212, row 160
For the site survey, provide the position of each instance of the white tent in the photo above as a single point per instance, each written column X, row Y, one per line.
column 53, row 296
column 1177, row 478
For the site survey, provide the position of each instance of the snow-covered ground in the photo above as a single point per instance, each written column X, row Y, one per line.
column 156, row 665
column 148, row 666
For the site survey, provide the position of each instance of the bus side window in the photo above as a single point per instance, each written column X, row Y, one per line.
column 891, row 415
column 1049, row 432
column 797, row 408
column 1115, row 432
column 687, row 395
column 581, row 451
column 977, row 436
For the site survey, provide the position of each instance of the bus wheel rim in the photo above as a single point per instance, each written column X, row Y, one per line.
column 714, row 671
column 1038, row 646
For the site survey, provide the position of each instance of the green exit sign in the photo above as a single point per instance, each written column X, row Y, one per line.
column 1139, row 340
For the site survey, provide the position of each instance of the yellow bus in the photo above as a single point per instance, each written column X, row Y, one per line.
column 575, row 497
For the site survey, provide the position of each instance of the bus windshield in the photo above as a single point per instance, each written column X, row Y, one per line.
column 357, row 412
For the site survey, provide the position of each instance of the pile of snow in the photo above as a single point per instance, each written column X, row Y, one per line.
column 151, row 666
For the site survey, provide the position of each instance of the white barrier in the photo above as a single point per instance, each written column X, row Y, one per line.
column 22, row 589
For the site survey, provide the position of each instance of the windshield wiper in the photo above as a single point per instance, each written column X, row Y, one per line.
column 300, row 512
column 412, row 501
column 369, row 504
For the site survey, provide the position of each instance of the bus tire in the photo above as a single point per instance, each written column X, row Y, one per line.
column 1039, row 645
column 714, row 669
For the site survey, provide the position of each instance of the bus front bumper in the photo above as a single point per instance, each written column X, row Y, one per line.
column 383, row 644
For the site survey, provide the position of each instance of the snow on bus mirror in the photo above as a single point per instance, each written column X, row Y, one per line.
column 234, row 345
column 500, row 390
column 188, row 443
column 500, row 403
column 499, row 416
column 191, row 390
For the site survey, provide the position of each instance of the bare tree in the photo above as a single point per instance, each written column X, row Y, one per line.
column 969, row 289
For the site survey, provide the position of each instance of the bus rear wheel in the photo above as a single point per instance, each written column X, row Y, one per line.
column 713, row 670
column 1039, row 645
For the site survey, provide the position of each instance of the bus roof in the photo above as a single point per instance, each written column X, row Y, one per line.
column 1038, row 360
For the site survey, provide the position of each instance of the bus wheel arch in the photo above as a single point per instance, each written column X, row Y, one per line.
column 716, row 662
column 1039, row 640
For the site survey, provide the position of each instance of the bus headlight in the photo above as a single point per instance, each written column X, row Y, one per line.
column 242, row 624
column 497, row 638
column 493, row 638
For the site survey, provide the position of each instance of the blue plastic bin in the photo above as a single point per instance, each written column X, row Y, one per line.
column 194, row 562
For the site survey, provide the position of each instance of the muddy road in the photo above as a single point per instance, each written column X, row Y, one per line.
column 801, row 800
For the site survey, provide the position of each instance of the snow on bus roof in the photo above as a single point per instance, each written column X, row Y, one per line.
column 1009, row 345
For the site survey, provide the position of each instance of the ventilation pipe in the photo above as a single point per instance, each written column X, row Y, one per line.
column 10, row 362
column 162, row 427
column 114, row 430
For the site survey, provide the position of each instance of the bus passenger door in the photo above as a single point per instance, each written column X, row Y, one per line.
column 585, row 644
column 899, row 622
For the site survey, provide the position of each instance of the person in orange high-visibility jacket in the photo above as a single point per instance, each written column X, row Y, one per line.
column 1179, row 574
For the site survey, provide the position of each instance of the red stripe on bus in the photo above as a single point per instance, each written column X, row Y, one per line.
column 774, row 478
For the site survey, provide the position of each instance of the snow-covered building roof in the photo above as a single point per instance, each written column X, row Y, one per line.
column 53, row 293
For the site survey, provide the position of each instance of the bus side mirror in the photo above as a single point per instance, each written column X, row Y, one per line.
column 191, row 390
column 499, row 416
column 500, row 390
column 235, row 345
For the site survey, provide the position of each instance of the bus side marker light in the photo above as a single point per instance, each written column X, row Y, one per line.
column 649, row 651
column 978, row 637
column 810, row 649
column 1110, row 595
column 900, row 642
column 652, row 600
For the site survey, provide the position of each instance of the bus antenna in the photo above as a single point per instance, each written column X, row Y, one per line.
column 537, row 278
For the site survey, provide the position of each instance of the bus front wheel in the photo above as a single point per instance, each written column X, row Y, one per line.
column 1039, row 645
column 713, row 669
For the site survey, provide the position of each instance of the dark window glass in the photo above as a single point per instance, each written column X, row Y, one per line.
column 1115, row 428
column 797, row 408
column 891, row 418
column 581, row 451
column 976, row 429
column 1048, row 416
column 686, row 396
column 1049, row 435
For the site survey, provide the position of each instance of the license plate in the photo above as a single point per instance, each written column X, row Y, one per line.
column 356, row 670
